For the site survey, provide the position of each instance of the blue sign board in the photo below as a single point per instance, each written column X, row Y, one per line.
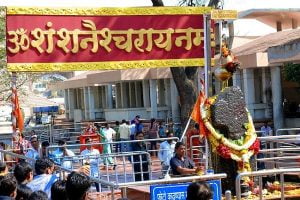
column 178, row 191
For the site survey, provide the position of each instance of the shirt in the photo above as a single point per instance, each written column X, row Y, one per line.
column 108, row 134
column 266, row 131
column 58, row 157
column 32, row 153
column 124, row 130
column 166, row 152
column 177, row 162
column 94, row 160
column 43, row 182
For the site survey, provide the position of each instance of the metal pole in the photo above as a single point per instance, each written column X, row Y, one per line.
column 207, row 55
column 13, row 89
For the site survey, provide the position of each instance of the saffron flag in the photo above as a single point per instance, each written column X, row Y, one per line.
column 17, row 113
column 196, row 114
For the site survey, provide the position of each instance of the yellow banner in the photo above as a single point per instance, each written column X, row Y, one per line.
column 224, row 14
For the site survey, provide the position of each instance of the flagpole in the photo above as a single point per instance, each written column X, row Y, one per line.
column 13, row 102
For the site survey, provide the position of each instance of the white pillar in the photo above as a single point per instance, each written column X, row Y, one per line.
column 174, row 102
column 131, row 94
column 86, row 102
column 138, row 94
column 91, row 98
column 124, row 95
column 168, row 96
column 277, row 97
column 153, row 98
column 66, row 100
column 118, row 96
column 146, row 93
column 109, row 97
column 71, row 103
column 103, row 96
column 236, row 79
column 161, row 93
column 249, row 89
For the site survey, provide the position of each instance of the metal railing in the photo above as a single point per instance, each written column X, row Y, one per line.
column 201, row 149
column 278, row 152
column 260, row 174
column 278, row 131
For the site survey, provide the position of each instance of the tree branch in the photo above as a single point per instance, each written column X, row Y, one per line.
column 157, row 3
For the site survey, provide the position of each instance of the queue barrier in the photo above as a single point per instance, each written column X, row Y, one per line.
column 279, row 152
column 260, row 174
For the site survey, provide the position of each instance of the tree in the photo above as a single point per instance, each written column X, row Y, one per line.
column 5, row 80
column 292, row 72
column 185, row 78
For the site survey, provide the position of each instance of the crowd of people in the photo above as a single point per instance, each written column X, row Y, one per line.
column 46, row 183
column 41, row 183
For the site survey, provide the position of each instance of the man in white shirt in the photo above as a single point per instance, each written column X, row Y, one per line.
column 124, row 131
column 166, row 152
column 61, row 155
column 92, row 158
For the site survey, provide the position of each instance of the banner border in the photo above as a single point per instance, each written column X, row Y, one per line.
column 109, row 65
column 108, row 11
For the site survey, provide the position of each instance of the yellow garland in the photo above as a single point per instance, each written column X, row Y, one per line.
column 238, row 153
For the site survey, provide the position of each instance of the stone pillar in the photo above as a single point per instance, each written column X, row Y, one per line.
column 249, row 89
column 277, row 98
column 118, row 96
column 124, row 95
column 109, row 97
column 91, row 98
column 71, row 103
column 153, row 98
column 174, row 102
column 138, row 94
column 86, row 102
column 146, row 93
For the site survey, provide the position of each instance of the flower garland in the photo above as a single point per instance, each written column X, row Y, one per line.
column 226, row 148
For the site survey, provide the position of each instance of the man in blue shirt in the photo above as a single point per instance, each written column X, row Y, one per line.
column 180, row 164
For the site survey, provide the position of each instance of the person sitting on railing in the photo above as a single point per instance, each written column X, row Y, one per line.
column 166, row 152
column 90, row 151
column 3, row 168
column 199, row 190
column 8, row 187
column 24, row 175
column 181, row 164
column 77, row 186
column 58, row 190
column 137, row 159
column 44, row 176
column 35, row 151
column 60, row 153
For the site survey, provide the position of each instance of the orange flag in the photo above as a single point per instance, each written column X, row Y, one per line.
column 196, row 115
column 18, row 112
